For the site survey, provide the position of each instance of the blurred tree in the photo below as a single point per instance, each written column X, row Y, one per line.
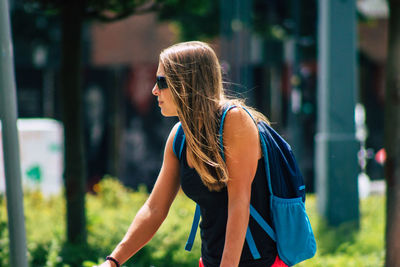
column 196, row 19
column 271, row 19
column 194, row 15
column 72, row 15
column 392, row 138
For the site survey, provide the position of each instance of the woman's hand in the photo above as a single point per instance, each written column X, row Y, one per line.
column 155, row 209
column 106, row 264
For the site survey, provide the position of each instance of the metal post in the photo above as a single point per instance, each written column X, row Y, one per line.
column 16, row 223
column 336, row 145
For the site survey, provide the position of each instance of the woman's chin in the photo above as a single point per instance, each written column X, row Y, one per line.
column 168, row 114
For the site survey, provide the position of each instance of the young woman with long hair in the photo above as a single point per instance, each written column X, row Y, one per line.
column 189, row 86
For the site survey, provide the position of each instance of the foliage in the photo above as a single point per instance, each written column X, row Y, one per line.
column 104, row 10
column 72, row 15
column 195, row 19
column 107, row 225
column 201, row 19
column 112, row 208
column 344, row 245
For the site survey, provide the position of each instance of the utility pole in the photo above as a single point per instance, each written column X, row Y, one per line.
column 8, row 113
column 336, row 145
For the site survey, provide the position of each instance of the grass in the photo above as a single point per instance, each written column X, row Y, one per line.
column 345, row 245
column 111, row 210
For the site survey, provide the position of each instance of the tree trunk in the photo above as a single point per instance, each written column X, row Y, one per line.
column 392, row 138
column 115, row 119
column 71, row 93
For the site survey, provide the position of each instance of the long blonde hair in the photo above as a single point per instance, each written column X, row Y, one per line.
column 194, row 76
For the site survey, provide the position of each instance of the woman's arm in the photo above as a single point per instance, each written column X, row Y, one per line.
column 155, row 209
column 242, row 151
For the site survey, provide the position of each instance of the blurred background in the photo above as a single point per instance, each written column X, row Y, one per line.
column 269, row 55
column 265, row 47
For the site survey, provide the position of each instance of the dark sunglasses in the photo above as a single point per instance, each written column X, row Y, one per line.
column 161, row 82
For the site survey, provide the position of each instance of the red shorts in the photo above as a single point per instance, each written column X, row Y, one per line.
column 278, row 263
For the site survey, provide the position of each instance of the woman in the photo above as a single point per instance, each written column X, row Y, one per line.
column 189, row 85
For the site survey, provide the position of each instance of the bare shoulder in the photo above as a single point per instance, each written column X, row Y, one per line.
column 239, row 122
column 171, row 137
column 174, row 129
column 240, row 135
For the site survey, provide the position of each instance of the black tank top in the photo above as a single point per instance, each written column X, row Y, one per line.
column 214, row 215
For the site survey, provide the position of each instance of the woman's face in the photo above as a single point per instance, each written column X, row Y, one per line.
column 164, row 97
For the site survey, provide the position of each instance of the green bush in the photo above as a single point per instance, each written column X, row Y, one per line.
column 345, row 245
column 111, row 210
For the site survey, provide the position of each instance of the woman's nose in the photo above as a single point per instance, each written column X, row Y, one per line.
column 155, row 90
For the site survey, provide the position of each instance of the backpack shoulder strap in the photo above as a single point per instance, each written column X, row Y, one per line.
column 264, row 149
column 221, row 128
column 257, row 217
column 253, row 212
column 193, row 230
column 264, row 225
column 179, row 141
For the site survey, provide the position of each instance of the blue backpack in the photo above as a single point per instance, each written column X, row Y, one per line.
column 291, row 228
